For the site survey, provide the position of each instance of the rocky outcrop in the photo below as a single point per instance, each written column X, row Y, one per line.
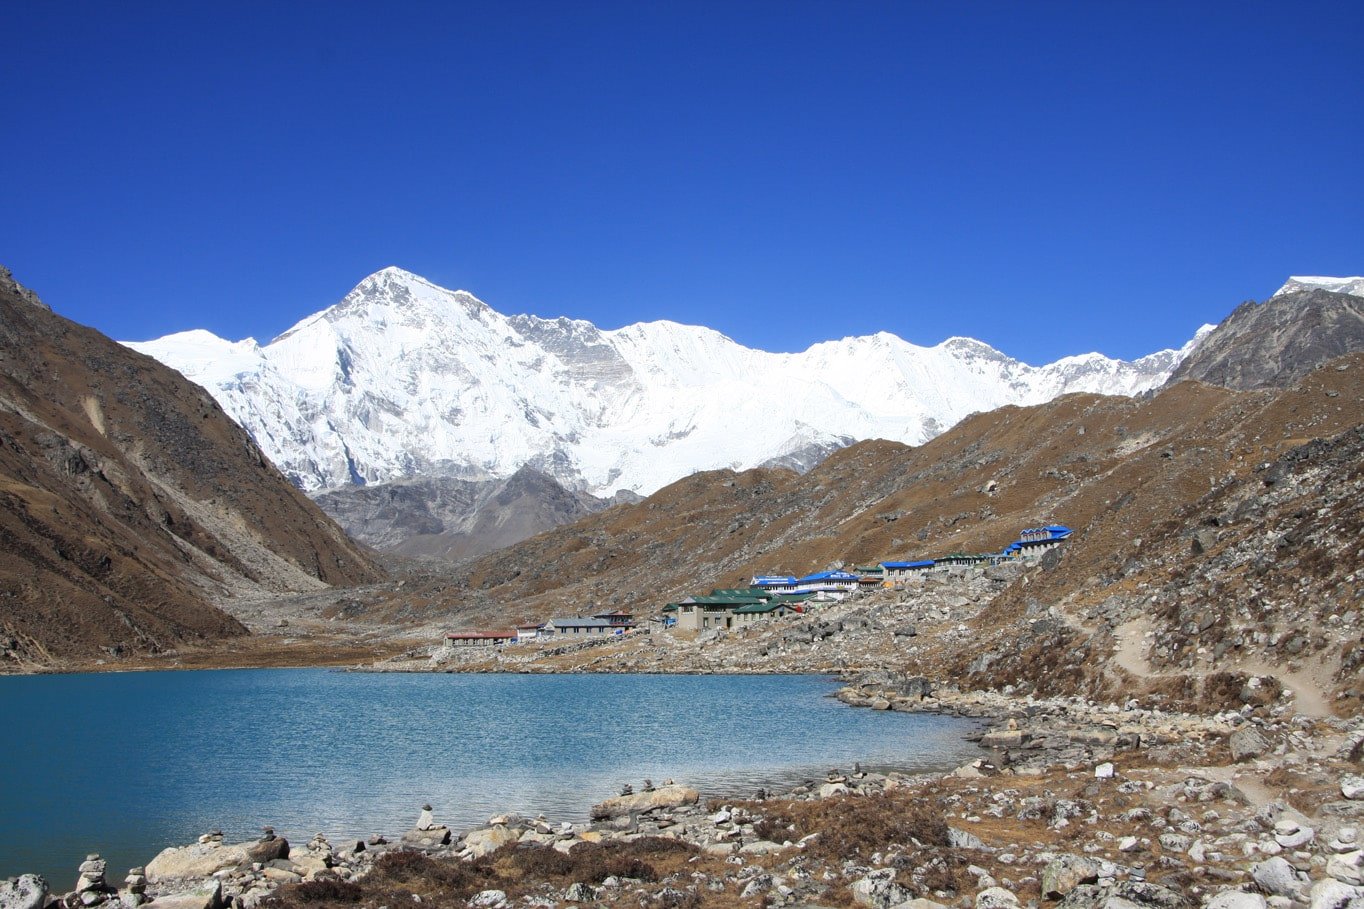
column 1275, row 343
column 643, row 802
column 454, row 519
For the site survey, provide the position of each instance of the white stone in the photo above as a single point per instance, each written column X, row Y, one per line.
column 489, row 899
column 1104, row 771
column 1301, row 836
column 1331, row 894
column 1277, row 876
column 996, row 898
column 1236, row 899
column 1352, row 787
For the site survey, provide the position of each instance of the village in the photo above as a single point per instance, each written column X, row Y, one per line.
column 767, row 598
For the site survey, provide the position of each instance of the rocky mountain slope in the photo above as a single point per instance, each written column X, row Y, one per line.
column 131, row 502
column 447, row 518
column 1308, row 322
column 404, row 379
column 1183, row 519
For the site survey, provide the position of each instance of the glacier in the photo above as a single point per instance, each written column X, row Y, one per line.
column 405, row 379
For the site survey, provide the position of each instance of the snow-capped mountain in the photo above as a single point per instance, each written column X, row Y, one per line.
column 404, row 379
column 1352, row 286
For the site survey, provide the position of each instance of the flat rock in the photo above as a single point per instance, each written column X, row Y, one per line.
column 1352, row 787
column 196, row 860
column 428, row 838
column 643, row 802
column 208, row 895
column 1236, row 899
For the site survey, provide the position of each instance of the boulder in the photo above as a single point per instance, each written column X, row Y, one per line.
column 579, row 893
column 429, row 838
column 267, row 850
column 208, row 895
column 1066, row 872
column 488, row 899
column 27, row 891
column 1277, row 877
column 1331, row 894
column 644, row 802
column 1004, row 738
column 196, row 860
column 1236, row 899
column 481, row 842
column 963, row 839
column 1246, row 743
column 996, row 898
column 1347, row 867
column 878, row 890
column 1352, row 787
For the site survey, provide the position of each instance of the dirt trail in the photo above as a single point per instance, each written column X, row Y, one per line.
column 1307, row 685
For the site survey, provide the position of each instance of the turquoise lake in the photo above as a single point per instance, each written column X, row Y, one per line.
column 125, row 764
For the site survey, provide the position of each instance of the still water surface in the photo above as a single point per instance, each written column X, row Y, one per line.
column 125, row 764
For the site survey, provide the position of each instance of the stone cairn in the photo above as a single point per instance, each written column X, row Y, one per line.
column 136, row 884
column 91, row 888
column 427, row 834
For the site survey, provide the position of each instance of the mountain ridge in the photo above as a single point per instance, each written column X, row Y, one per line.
column 132, row 505
column 404, row 379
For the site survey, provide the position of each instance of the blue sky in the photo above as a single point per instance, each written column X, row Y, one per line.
column 1052, row 178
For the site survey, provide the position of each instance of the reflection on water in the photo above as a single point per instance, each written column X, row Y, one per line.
column 127, row 764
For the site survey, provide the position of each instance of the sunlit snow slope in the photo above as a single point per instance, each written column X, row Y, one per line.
column 403, row 378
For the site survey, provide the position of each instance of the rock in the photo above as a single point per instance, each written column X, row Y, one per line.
column 488, row 899
column 644, row 802
column 878, row 890
column 1347, row 867
column 1290, row 835
column 996, row 898
column 195, row 860
column 267, row 849
column 1236, row 899
column 481, row 842
column 429, row 838
column 1329, row 894
column 1277, row 877
column 828, row 790
column 921, row 903
column 27, row 891
column 310, row 865
column 1104, row 771
column 579, row 893
column 962, row 839
column 1004, row 738
column 761, row 847
column 208, row 895
column 1066, row 872
column 425, row 820
column 1352, row 787
column 1129, row 894
column 1246, row 743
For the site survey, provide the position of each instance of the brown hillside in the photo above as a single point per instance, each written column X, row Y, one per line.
column 1115, row 469
column 131, row 502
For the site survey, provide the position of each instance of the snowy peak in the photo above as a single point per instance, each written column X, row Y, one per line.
column 1352, row 286
column 404, row 379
